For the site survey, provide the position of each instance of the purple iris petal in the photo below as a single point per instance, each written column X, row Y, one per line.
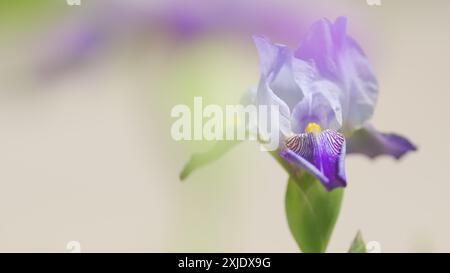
column 296, row 87
column 322, row 154
column 277, row 85
column 370, row 142
column 277, row 72
column 327, row 83
column 339, row 59
column 316, row 107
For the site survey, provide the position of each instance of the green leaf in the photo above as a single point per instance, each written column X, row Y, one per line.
column 358, row 245
column 201, row 159
column 311, row 212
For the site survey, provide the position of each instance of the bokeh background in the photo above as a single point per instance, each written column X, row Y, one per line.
column 85, row 147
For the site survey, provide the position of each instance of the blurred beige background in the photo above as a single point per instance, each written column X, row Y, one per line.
column 87, row 156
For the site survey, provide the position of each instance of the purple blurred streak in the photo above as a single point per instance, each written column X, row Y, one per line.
column 106, row 23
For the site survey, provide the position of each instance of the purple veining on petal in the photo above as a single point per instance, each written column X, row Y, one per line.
column 338, row 92
column 370, row 142
column 322, row 154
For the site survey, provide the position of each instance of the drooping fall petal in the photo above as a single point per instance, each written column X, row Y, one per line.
column 321, row 154
column 372, row 143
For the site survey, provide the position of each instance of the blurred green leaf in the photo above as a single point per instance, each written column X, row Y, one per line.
column 26, row 11
column 201, row 159
column 358, row 245
column 311, row 212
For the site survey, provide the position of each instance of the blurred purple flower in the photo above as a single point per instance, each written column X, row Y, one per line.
column 181, row 20
column 326, row 92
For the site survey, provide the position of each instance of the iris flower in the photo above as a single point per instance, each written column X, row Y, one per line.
column 326, row 91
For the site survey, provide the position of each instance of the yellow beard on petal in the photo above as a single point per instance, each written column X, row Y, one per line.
column 313, row 127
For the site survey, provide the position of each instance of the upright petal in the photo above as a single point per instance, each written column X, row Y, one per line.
column 277, row 72
column 320, row 103
column 271, row 56
column 321, row 154
column 370, row 142
column 339, row 58
column 319, row 107
column 277, row 85
column 265, row 96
